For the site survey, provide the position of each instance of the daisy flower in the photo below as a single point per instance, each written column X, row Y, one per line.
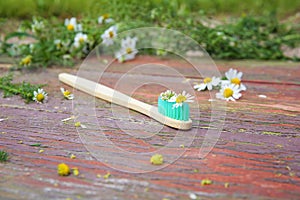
column 109, row 35
column 235, row 77
column 37, row 26
column 72, row 25
column 208, row 83
column 58, row 43
column 167, row 95
column 229, row 92
column 181, row 98
column 40, row 96
column 120, row 56
column 104, row 19
column 80, row 39
column 67, row 94
column 128, row 50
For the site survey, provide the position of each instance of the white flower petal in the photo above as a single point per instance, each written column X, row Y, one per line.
column 209, row 86
column 239, row 75
column 243, row 87
column 237, row 95
column 262, row 96
column 215, row 81
column 200, row 86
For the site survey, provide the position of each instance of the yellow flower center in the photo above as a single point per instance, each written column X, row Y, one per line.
column 67, row 93
column 77, row 124
column 81, row 40
column 129, row 50
column 236, row 81
column 207, row 80
column 40, row 97
column 180, row 99
column 105, row 16
column 26, row 60
column 228, row 93
column 111, row 34
column 70, row 27
column 58, row 45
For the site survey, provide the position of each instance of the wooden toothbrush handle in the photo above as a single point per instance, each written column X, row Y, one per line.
column 108, row 94
column 105, row 93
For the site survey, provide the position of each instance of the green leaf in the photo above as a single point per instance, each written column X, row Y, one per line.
column 35, row 145
column 17, row 34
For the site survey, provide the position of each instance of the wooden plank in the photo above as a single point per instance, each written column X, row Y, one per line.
column 257, row 153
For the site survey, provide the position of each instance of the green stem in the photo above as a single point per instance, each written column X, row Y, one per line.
column 9, row 89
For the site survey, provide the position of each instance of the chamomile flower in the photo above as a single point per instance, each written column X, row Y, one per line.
column 67, row 94
column 58, row 43
column 104, row 19
column 235, row 77
column 80, row 39
column 37, row 26
column 167, row 95
column 109, row 35
column 208, row 82
column 128, row 46
column 72, row 25
column 229, row 92
column 26, row 61
column 180, row 98
column 62, row 45
column 128, row 50
column 120, row 56
column 40, row 96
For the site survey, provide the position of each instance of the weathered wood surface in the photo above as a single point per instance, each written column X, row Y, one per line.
column 257, row 153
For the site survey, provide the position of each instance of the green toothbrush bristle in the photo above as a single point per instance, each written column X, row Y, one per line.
column 166, row 108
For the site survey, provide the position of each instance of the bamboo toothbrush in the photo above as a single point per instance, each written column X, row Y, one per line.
column 113, row 96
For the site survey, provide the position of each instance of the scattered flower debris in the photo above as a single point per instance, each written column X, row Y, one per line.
column 78, row 124
column 3, row 119
column 193, row 196
column 68, row 119
column 72, row 156
column 206, row 182
column 107, row 175
column 226, row 185
column 63, row 169
column 262, row 96
column 157, row 159
column 75, row 171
